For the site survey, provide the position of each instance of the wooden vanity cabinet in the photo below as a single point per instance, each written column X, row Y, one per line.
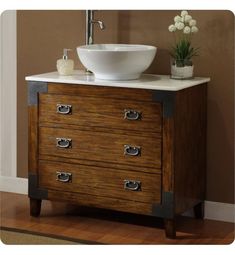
column 132, row 150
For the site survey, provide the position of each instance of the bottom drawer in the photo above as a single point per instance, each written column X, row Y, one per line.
column 116, row 204
column 95, row 181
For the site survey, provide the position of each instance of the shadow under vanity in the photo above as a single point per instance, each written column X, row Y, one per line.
column 134, row 146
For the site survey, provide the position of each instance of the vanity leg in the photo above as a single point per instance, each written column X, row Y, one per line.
column 199, row 210
column 170, row 228
column 35, row 207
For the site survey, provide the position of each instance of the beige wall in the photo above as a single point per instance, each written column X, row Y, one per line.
column 43, row 34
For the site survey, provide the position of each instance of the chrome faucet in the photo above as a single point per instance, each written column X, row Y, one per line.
column 89, row 26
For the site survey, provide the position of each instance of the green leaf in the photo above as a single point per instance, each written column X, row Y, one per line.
column 183, row 50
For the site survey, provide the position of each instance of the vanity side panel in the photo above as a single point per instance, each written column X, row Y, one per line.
column 166, row 209
column 190, row 147
column 34, row 192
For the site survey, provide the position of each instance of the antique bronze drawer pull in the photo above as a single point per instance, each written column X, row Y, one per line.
column 64, row 109
column 63, row 177
column 132, row 150
column 132, row 185
column 64, row 143
column 132, row 115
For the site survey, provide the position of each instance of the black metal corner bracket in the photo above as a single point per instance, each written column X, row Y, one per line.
column 166, row 208
column 167, row 98
column 33, row 190
column 35, row 87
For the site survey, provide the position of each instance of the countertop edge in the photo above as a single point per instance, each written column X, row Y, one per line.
column 175, row 85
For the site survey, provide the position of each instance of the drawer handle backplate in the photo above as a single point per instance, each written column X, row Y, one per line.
column 64, row 108
column 132, row 185
column 64, row 143
column 132, row 150
column 63, row 177
column 132, row 114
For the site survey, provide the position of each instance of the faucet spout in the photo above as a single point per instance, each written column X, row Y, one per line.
column 89, row 26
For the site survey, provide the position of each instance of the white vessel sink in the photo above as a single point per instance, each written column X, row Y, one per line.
column 116, row 61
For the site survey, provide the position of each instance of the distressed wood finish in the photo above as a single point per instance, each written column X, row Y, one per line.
column 100, row 91
column 171, row 134
column 168, row 155
column 148, row 135
column 101, row 164
column 184, row 154
column 104, row 182
column 101, row 112
column 101, row 202
column 190, row 147
column 34, row 193
column 97, row 146
column 33, row 138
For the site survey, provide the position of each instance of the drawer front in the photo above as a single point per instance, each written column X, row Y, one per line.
column 101, row 112
column 136, row 151
column 102, row 202
column 104, row 182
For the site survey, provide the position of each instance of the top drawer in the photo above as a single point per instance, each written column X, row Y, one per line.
column 101, row 112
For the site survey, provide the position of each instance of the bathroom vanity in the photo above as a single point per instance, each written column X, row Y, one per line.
column 135, row 146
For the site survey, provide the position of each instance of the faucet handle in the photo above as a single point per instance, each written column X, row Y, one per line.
column 99, row 22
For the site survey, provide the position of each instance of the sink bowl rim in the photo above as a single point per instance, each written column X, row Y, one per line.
column 126, row 47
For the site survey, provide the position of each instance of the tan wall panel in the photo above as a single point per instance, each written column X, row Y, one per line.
column 43, row 34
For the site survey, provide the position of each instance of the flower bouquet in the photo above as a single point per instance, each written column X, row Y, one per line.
column 182, row 52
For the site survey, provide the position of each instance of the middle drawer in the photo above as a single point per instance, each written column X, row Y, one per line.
column 136, row 151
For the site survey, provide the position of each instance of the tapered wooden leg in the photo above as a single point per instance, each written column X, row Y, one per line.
column 170, row 228
column 199, row 211
column 35, row 207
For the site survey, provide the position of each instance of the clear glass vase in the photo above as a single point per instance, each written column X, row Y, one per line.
column 181, row 69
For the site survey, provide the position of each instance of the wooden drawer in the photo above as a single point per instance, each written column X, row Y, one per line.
column 102, row 112
column 101, row 182
column 98, row 146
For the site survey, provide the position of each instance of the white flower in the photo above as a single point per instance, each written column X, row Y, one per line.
column 177, row 18
column 187, row 18
column 179, row 25
column 172, row 28
column 192, row 22
column 183, row 13
column 194, row 29
column 187, row 30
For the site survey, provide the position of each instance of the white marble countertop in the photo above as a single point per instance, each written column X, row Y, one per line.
column 146, row 81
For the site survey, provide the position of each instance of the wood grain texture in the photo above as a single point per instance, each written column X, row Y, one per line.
column 171, row 165
column 102, row 129
column 100, row 181
column 101, row 202
column 97, row 146
column 190, row 147
column 100, row 91
column 101, row 164
column 168, row 155
column 33, row 138
column 101, row 112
